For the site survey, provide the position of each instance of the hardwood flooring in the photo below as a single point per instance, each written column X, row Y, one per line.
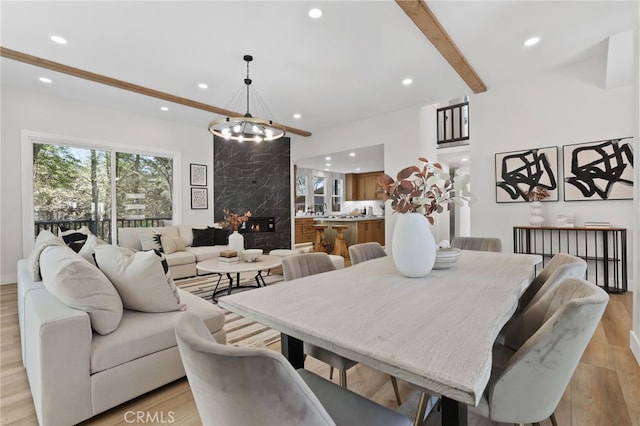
column 604, row 391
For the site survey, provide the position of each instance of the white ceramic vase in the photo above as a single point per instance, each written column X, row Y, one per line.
column 236, row 242
column 413, row 247
column 536, row 218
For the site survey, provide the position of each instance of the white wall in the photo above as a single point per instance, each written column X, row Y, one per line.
column 635, row 329
column 22, row 110
column 556, row 108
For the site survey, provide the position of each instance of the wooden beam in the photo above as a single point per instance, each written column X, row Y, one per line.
column 426, row 21
column 98, row 78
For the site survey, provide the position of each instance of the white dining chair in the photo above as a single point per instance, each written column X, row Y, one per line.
column 303, row 265
column 477, row 243
column 362, row 252
column 526, row 385
column 257, row 386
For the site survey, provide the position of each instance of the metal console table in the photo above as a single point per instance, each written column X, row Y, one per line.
column 604, row 249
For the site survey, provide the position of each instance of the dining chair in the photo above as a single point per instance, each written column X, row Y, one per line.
column 303, row 265
column 477, row 243
column 365, row 251
column 257, row 386
column 526, row 385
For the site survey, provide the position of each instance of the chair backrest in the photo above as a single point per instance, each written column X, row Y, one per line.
column 243, row 386
column 302, row 265
column 362, row 252
column 561, row 265
column 477, row 243
column 560, row 326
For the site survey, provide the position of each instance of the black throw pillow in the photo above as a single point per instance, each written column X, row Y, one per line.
column 203, row 237
column 221, row 237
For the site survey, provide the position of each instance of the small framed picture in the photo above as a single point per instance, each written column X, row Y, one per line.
column 198, row 175
column 199, row 198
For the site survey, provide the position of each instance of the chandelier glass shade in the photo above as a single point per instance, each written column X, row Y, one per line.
column 246, row 127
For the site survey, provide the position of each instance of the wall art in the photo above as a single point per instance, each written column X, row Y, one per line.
column 601, row 170
column 198, row 175
column 199, row 198
column 519, row 172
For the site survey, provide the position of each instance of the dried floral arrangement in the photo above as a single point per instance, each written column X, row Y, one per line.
column 426, row 190
column 538, row 193
column 233, row 221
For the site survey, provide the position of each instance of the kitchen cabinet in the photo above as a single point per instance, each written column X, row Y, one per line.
column 370, row 231
column 304, row 230
column 362, row 186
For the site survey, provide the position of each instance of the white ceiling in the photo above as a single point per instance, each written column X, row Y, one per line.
column 345, row 66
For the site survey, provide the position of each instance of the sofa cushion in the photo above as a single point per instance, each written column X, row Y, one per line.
column 142, row 334
column 141, row 278
column 129, row 238
column 180, row 258
column 207, row 252
column 81, row 285
column 171, row 244
column 88, row 249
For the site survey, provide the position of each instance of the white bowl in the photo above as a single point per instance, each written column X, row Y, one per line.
column 250, row 255
column 446, row 257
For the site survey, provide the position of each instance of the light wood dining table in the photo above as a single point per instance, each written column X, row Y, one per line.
column 435, row 332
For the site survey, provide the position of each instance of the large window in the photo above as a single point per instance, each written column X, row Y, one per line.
column 319, row 204
column 336, row 195
column 301, row 193
column 74, row 186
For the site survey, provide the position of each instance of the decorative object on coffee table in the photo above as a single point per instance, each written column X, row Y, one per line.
column 233, row 221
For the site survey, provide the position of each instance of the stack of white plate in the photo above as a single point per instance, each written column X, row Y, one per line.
column 446, row 257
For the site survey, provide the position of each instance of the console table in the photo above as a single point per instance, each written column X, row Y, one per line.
column 604, row 250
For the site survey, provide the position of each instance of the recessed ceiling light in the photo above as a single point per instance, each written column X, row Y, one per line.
column 352, row 154
column 296, row 116
column 531, row 41
column 358, row 169
column 58, row 39
column 327, row 158
column 203, row 85
column 315, row 13
column 164, row 108
column 328, row 164
column 464, row 159
column 407, row 82
column 45, row 80
column 326, row 170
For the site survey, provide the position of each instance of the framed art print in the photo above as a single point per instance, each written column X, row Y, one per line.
column 601, row 170
column 199, row 198
column 519, row 172
column 198, row 175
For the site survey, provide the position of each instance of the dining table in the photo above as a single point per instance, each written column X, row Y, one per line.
column 435, row 332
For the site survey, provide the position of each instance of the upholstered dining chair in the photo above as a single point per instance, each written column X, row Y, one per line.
column 302, row 265
column 362, row 252
column 526, row 385
column 256, row 386
column 477, row 243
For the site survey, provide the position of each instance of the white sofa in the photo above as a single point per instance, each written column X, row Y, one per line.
column 75, row 373
column 182, row 263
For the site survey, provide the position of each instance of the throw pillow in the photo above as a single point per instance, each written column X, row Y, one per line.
column 142, row 278
column 150, row 239
column 43, row 240
column 203, row 237
column 220, row 237
column 172, row 244
column 82, row 286
column 88, row 249
column 74, row 238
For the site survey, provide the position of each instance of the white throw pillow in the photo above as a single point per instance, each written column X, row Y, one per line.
column 82, row 286
column 172, row 244
column 44, row 239
column 142, row 278
column 150, row 239
column 88, row 248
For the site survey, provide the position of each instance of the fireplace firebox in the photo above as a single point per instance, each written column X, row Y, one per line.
column 258, row 224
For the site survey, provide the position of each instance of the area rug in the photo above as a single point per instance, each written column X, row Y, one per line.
column 240, row 331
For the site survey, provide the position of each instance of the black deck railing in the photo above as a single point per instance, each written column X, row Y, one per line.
column 101, row 228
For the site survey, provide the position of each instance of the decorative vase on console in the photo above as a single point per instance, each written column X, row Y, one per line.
column 233, row 222
column 535, row 195
column 417, row 194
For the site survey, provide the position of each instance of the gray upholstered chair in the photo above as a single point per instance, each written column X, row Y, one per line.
column 257, row 386
column 477, row 243
column 526, row 385
column 362, row 252
column 303, row 265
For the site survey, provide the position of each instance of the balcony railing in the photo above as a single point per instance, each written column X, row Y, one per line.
column 101, row 228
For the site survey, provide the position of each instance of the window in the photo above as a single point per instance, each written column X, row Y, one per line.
column 319, row 205
column 301, row 193
column 336, row 195
column 99, row 187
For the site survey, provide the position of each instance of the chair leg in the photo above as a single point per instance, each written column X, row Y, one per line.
column 343, row 378
column 394, row 382
column 330, row 373
column 422, row 407
column 553, row 419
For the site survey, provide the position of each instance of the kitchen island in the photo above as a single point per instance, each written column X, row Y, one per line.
column 362, row 229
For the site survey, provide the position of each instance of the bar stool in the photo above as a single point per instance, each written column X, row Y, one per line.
column 340, row 246
column 320, row 244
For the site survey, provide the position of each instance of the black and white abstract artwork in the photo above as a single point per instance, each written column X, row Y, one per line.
column 601, row 170
column 519, row 172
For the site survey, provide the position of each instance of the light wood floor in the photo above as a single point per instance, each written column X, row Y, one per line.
column 604, row 391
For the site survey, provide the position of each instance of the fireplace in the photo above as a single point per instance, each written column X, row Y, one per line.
column 258, row 224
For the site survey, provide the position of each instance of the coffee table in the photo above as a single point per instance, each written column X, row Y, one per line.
column 263, row 263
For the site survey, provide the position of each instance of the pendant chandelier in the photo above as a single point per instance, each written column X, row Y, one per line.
column 246, row 127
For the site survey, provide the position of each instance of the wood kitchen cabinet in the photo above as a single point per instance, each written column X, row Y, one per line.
column 362, row 186
column 370, row 231
column 304, row 230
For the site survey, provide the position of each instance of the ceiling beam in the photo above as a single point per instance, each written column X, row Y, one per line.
column 426, row 21
column 98, row 78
